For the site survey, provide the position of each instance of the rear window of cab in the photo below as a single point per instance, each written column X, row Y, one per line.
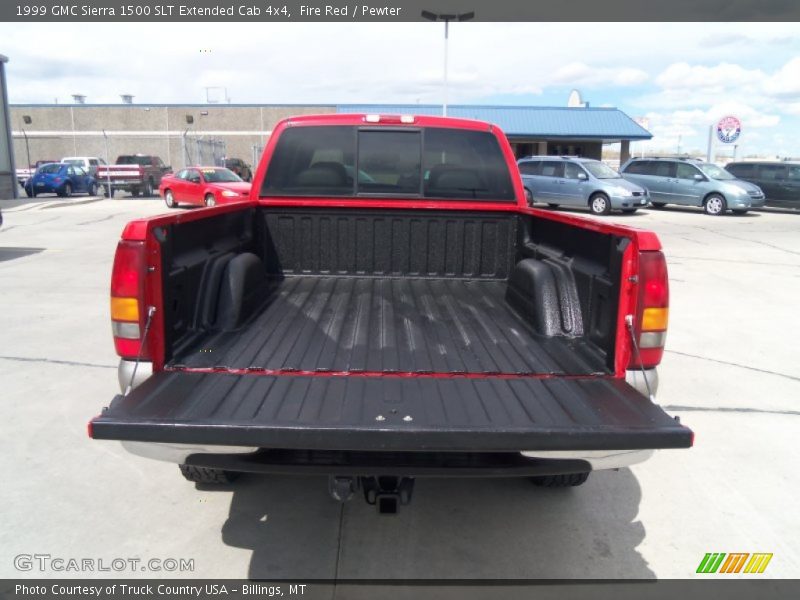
column 348, row 161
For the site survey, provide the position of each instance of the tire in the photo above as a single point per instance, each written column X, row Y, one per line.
column 148, row 188
column 67, row 192
column 106, row 192
column 599, row 204
column 715, row 205
column 658, row 204
column 552, row 205
column 209, row 200
column 629, row 211
column 560, row 481
column 135, row 192
column 528, row 197
column 740, row 212
column 204, row 475
column 92, row 189
column 29, row 193
column 169, row 199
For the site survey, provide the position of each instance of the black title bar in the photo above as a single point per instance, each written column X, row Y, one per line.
column 42, row 11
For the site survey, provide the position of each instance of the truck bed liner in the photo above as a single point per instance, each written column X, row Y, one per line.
column 404, row 413
column 413, row 325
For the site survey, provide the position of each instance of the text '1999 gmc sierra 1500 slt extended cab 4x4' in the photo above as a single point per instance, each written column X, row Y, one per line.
column 387, row 307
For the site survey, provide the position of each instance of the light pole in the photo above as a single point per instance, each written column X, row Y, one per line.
column 432, row 16
column 27, row 120
column 109, row 189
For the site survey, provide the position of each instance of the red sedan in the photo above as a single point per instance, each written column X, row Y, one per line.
column 203, row 186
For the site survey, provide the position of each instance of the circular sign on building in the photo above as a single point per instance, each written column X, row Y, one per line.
column 728, row 129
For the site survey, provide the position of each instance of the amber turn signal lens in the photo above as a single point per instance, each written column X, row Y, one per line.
column 655, row 319
column 124, row 309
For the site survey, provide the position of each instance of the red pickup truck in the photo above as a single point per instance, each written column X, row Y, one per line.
column 386, row 307
column 133, row 173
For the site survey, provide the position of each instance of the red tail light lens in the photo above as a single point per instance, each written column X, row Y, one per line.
column 127, row 307
column 652, row 310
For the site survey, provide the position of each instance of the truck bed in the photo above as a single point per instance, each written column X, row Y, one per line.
column 401, row 325
column 389, row 330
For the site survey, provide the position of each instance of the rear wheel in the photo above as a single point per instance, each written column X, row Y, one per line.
column 148, row 188
column 529, row 197
column 658, row 204
column 558, row 481
column 169, row 199
column 599, row 204
column 67, row 191
column 135, row 192
column 715, row 205
column 29, row 193
column 204, row 475
column 210, row 200
column 92, row 189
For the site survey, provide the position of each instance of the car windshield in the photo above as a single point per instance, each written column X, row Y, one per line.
column 600, row 170
column 714, row 172
column 50, row 169
column 220, row 176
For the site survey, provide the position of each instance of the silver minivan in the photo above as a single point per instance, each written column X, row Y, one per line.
column 580, row 182
column 690, row 182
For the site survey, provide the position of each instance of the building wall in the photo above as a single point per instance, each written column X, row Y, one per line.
column 158, row 120
column 139, row 118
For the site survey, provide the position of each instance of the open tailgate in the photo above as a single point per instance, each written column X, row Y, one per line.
column 397, row 413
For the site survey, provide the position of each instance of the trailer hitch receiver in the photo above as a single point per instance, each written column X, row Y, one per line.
column 387, row 493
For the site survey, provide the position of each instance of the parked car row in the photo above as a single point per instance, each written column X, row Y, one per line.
column 641, row 182
column 137, row 174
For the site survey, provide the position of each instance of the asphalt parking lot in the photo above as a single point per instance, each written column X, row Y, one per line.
column 729, row 372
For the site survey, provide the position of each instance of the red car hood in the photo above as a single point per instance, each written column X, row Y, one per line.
column 241, row 187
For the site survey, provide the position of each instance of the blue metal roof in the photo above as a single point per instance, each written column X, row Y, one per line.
column 610, row 124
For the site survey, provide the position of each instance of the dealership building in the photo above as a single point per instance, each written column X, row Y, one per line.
column 184, row 134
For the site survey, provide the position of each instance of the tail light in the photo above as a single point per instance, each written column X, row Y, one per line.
column 127, row 305
column 652, row 310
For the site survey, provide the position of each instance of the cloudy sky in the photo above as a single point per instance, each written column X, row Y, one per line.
column 681, row 77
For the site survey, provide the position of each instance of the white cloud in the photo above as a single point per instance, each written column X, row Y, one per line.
column 682, row 72
column 785, row 83
column 792, row 108
column 581, row 74
column 683, row 76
